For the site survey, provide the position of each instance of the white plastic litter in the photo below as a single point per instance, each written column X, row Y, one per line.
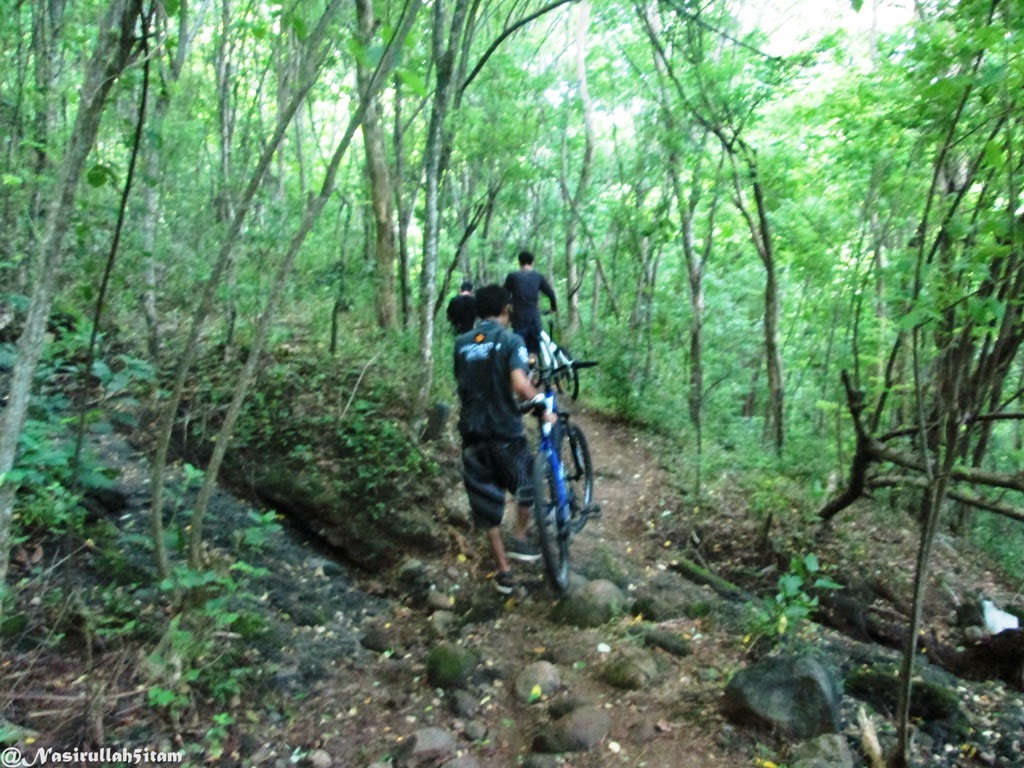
column 996, row 619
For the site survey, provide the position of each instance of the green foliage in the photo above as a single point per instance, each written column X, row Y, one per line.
column 792, row 603
column 1003, row 539
column 192, row 658
column 340, row 418
column 255, row 537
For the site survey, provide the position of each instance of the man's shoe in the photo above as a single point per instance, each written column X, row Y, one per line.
column 505, row 582
column 524, row 551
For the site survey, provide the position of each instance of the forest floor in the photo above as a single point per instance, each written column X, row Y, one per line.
column 324, row 698
column 359, row 712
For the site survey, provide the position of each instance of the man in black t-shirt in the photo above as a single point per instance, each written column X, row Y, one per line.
column 462, row 309
column 526, row 285
column 491, row 371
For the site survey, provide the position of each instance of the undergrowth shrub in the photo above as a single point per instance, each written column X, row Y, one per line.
column 327, row 440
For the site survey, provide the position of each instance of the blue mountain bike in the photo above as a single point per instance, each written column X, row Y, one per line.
column 563, row 486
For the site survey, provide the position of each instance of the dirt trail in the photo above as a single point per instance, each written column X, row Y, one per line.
column 370, row 703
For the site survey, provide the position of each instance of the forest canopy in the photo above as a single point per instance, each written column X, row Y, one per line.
column 789, row 250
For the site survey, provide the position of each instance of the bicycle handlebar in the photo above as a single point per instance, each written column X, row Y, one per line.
column 535, row 405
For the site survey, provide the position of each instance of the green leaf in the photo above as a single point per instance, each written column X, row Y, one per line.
column 790, row 584
column 297, row 24
column 100, row 175
column 414, row 80
column 994, row 155
column 827, row 584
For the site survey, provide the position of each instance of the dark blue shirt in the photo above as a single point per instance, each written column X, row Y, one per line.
column 526, row 285
column 484, row 360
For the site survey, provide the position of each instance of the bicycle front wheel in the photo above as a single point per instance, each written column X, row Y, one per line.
column 577, row 467
column 552, row 533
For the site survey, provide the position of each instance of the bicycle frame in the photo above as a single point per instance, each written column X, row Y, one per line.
column 563, row 486
column 550, row 354
column 548, row 447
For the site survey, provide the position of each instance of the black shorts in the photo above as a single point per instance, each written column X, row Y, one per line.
column 489, row 468
column 531, row 336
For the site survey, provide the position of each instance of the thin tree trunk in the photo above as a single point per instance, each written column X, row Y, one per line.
column 108, row 270
column 112, row 53
column 151, row 175
column 760, row 233
column 696, row 264
column 404, row 208
column 310, row 217
column 379, row 175
column 224, row 200
column 165, row 425
column 575, row 201
column 444, row 51
column 47, row 24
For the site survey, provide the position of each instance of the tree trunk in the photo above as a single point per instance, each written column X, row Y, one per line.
column 575, row 201
column 761, row 236
column 170, row 72
column 47, row 24
column 190, row 350
column 444, row 51
column 312, row 213
column 112, row 53
column 379, row 175
column 696, row 264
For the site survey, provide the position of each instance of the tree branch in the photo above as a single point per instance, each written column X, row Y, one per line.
column 893, row 481
column 509, row 31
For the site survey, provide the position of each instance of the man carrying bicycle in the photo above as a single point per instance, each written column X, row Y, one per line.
column 526, row 285
column 491, row 369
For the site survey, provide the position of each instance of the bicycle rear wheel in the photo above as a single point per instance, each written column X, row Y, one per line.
column 567, row 378
column 552, row 535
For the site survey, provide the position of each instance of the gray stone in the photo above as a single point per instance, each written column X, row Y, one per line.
column 443, row 623
column 667, row 640
column 412, row 571
column 426, row 747
column 543, row 761
column 644, row 732
column 593, row 605
column 537, row 681
column 793, row 694
column 579, row 731
column 668, row 596
column 974, row 634
column 439, row 601
column 318, row 758
column 933, row 697
column 465, row 704
column 475, row 730
column 631, row 668
column 378, row 640
column 827, row 751
column 462, row 761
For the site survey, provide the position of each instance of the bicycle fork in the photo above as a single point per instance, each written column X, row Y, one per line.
column 558, row 474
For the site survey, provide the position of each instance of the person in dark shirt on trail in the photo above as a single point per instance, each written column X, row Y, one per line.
column 491, row 373
column 462, row 309
column 526, row 285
